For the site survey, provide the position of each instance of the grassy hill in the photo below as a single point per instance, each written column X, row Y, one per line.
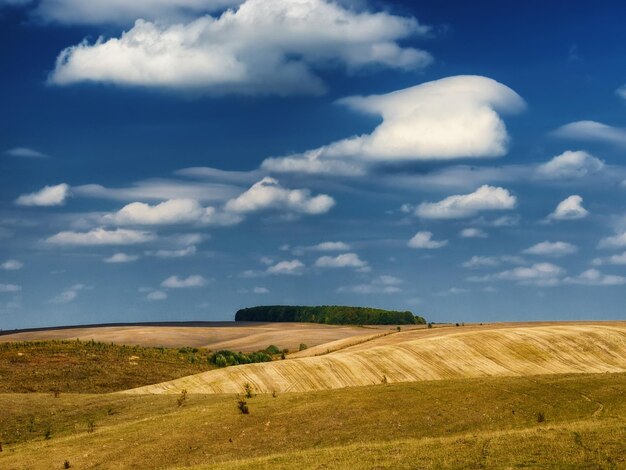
column 571, row 421
column 418, row 355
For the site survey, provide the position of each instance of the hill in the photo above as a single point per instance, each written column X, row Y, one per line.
column 574, row 421
column 418, row 355
column 328, row 314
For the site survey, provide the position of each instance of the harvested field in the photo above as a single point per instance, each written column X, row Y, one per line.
column 408, row 356
column 240, row 336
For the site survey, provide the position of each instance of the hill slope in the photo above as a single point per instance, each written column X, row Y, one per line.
column 419, row 355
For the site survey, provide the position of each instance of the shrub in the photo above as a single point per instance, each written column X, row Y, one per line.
column 243, row 406
column 180, row 401
column 248, row 390
column 430, row 325
column 302, row 347
column 541, row 417
column 66, row 464
column 91, row 425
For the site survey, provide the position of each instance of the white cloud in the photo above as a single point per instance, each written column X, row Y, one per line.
column 424, row 240
column 175, row 282
column 481, row 262
column 467, row 205
column 101, row 236
column 11, row 265
column 10, row 288
column 330, row 246
column 569, row 209
column 156, row 295
column 381, row 285
column 344, row 260
column 180, row 253
column 451, row 291
column 593, row 277
column 592, row 131
column 555, row 249
column 69, row 294
column 570, row 165
column 48, row 196
column 121, row 258
column 265, row 46
column 293, row 267
column 170, row 212
column 621, row 92
column 619, row 259
column 473, row 233
column 614, row 242
column 123, row 12
column 158, row 189
column 268, row 194
column 260, row 290
column 455, row 117
column 539, row 274
column 25, row 152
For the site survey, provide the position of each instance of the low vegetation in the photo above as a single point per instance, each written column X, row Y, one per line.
column 92, row 367
column 463, row 423
column 328, row 314
column 227, row 358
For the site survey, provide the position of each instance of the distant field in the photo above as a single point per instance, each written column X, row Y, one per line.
column 240, row 336
column 419, row 355
column 557, row 422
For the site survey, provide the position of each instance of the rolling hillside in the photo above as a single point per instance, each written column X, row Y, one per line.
column 420, row 355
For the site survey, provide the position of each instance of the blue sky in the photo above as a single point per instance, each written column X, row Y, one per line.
column 180, row 160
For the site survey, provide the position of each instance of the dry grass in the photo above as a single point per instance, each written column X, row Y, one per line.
column 468, row 423
column 240, row 336
column 428, row 355
column 91, row 367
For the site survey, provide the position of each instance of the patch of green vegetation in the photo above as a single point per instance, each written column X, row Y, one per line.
column 328, row 314
column 225, row 358
column 92, row 367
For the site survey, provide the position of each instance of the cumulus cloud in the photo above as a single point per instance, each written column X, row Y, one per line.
column 175, row 282
column 48, row 196
column 539, row 274
column 69, row 294
column 260, row 290
column 473, row 233
column 614, row 242
column 101, row 236
column 454, row 117
column 424, row 240
column 381, row 285
column 593, row 277
column 264, row 46
column 570, row 165
column 451, row 291
column 621, row 92
column 269, row 194
column 156, row 295
column 460, row 206
column 330, row 246
column 170, row 212
column 121, row 258
column 570, row 208
column 291, row 267
column 592, row 131
column 179, row 253
column 11, row 265
column 344, row 260
column 25, row 152
column 123, row 12
column 481, row 262
column 10, row 288
column 158, row 189
column 619, row 259
column 555, row 249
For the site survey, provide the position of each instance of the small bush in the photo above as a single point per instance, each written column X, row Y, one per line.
column 541, row 417
column 180, row 401
column 47, row 435
column 302, row 347
column 248, row 390
column 383, row 380
column 91, row 425
column 430, row 325
column 66, row 464
column 398, row 328
column 243, row 406
column 271, row 349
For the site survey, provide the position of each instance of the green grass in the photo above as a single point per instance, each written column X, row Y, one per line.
column 466, row 423
column 92, row 367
